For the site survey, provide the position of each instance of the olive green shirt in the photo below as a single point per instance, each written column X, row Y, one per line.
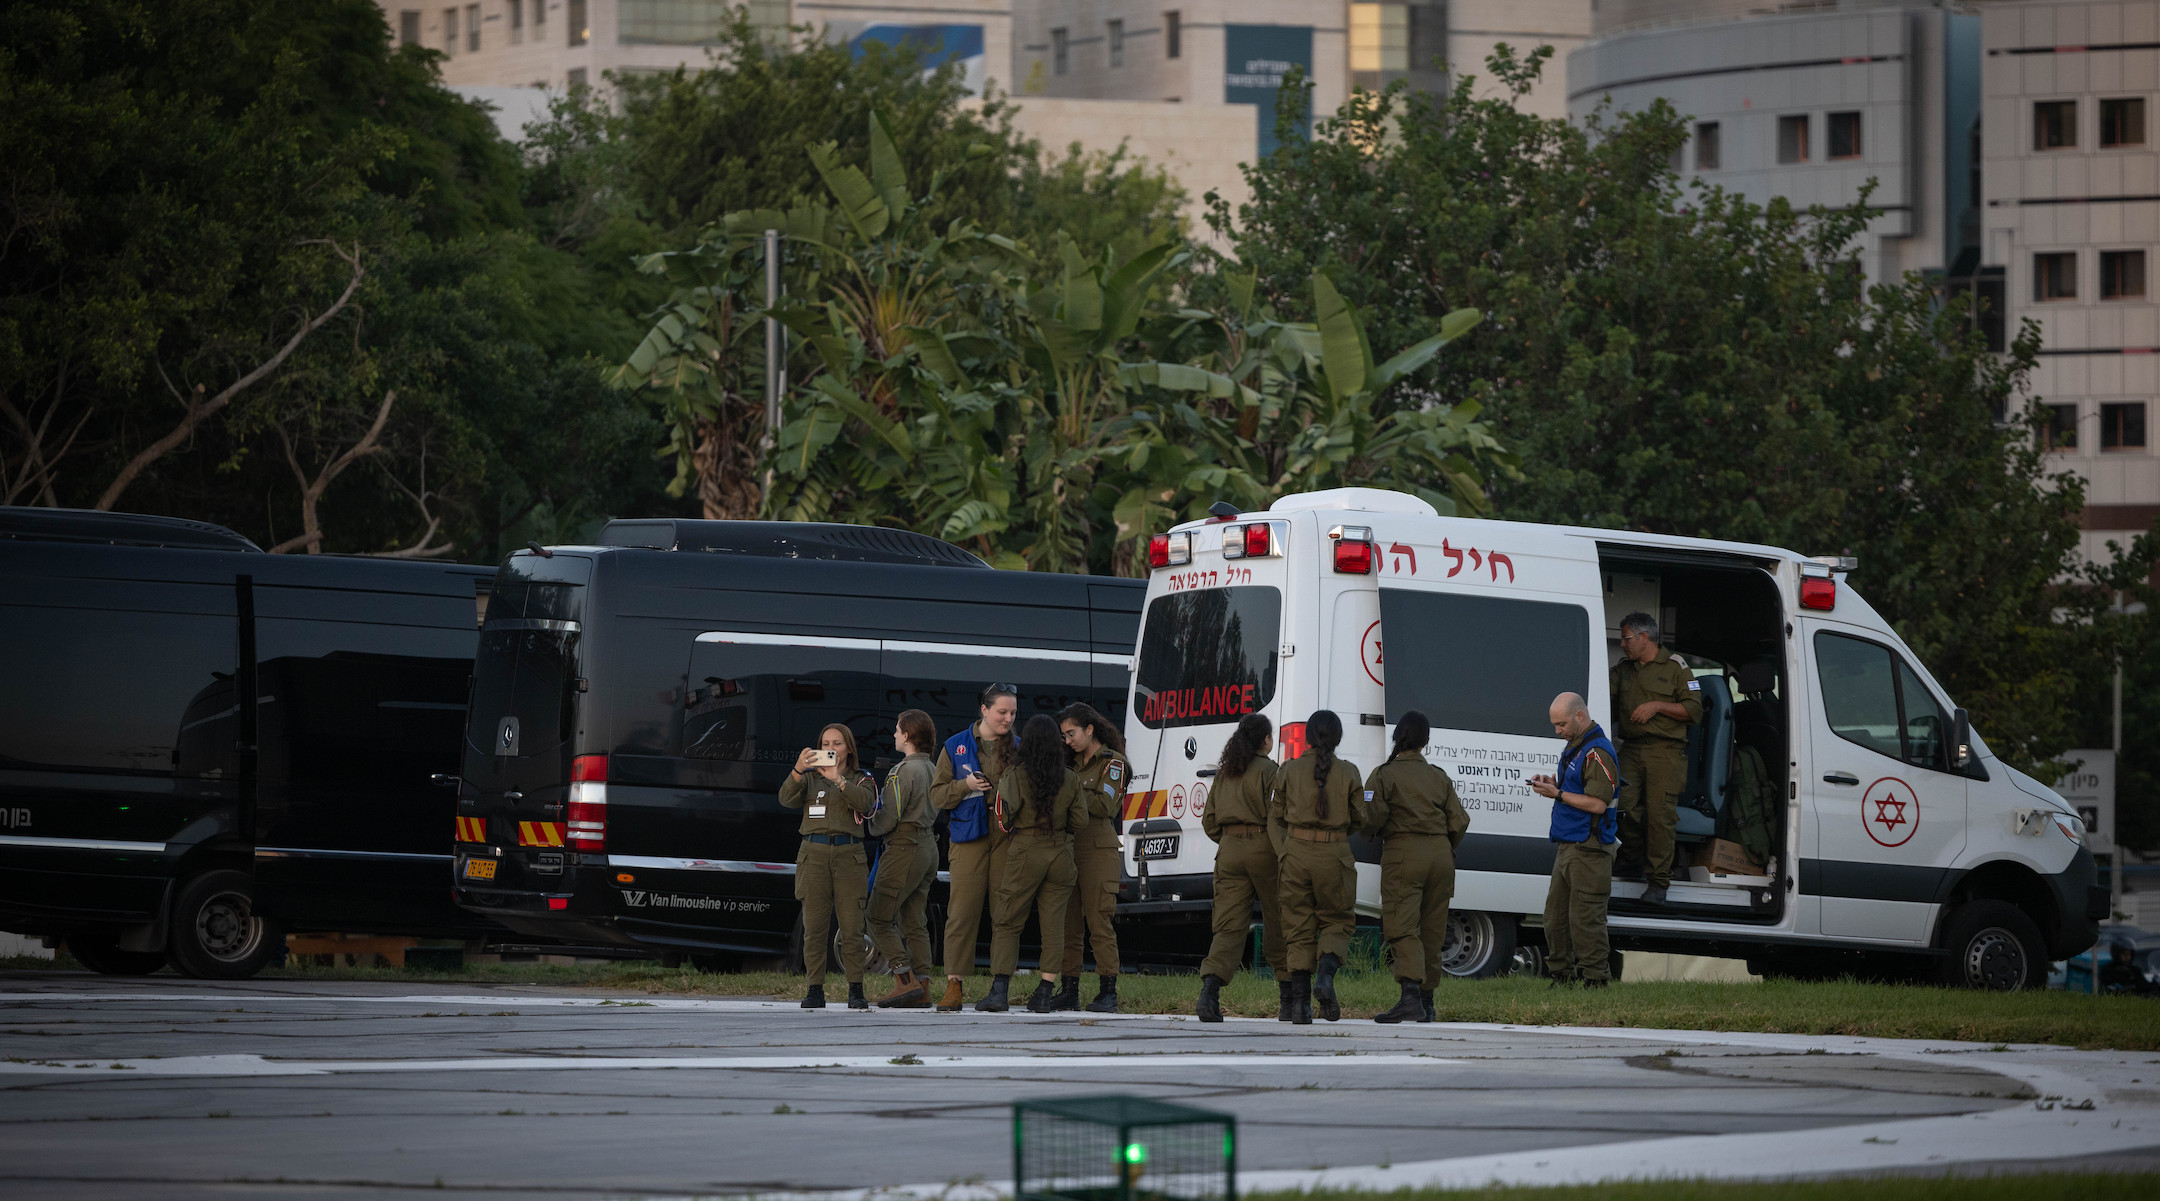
column 830, row 808
column 1601, row 776
column 1295, row 799
column 1066, row 815
column 1411, row 796
column 1240, row 800
column 907, row 789
column 1102, row 781
column 996, row 756
column 1662, row 679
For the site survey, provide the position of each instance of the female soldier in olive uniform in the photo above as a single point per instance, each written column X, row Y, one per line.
column 900, row 900
column 1245, row 866
column 1098, row 752
column 1315, row 804
column 1415, row 811
column 1039, row 802
column 978, row 863
column 832, row 870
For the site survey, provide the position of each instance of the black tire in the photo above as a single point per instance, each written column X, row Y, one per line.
column 1479, row 945
column 215, row 932
column 101, row 953
column 1993, row 945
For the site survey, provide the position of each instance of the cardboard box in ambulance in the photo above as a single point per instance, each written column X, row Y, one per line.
column 1894, row 840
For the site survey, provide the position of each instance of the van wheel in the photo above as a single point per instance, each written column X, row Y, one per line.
column 101, row 953
column 216, row 933
column 1994, row 946
column 1479, row 945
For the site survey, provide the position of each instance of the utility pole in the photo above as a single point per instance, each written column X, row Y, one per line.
column 2115, row 872
column 776, row 376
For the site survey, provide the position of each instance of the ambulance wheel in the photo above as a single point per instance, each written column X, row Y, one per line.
column 101, row 953
column 1992, row 945
column 215, row 932
column 1479, row 945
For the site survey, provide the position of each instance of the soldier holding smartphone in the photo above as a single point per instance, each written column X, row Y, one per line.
column 832, row 869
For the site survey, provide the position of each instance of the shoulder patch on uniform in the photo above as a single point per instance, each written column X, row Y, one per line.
column 1694, row 685
column 1117, row 772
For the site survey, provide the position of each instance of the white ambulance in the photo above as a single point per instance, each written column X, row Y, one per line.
column 1896, row 839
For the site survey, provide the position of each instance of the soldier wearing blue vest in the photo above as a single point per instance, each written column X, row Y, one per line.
column 961, row 783
column 1585, row 828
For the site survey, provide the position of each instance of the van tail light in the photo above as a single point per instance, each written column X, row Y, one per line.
column 588, row 803
column 1170, row 550
column 1818, row 593
column 1353, row 549
column 1258, row 540
column 1292, row 740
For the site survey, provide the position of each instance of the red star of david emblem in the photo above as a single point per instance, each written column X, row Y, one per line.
column 1884, row 814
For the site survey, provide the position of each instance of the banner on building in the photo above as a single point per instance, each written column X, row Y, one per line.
column 2090, row 789
column 932, row 45
column 1256, row 59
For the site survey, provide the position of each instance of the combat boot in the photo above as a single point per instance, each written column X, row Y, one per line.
column 1282, row 1000
column 1428, row 1011
column 955, row 997
column 815, row 998
column 855, row 998
column 1045, row 998
column 1105, row 996
column 1209, row 1006
column 1068, row 997
column 1323, row 988
column 908, row 992
column 996, row 1001
column 1410, row 1008
column 1301, row 998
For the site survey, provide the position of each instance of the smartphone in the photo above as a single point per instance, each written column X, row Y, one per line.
column 825, row 758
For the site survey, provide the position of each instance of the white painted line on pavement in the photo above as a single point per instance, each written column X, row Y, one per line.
column 256, row 1065
column 507, row 1000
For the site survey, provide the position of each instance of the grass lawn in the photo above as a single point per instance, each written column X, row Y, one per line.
column 1785, row 1007
column 2051, row 1186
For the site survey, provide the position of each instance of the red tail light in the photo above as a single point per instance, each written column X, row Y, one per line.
column 1818, row 593
column 588, row 803
column 1256, row 540
column 1158, row 551
column 1353, row 558
column 1292, row 741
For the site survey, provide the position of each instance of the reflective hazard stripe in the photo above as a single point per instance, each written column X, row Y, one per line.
column 1140, row 805
column 540, row 834
column 472, row 829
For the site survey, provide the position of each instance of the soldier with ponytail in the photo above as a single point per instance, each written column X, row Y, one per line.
column 1317, row 802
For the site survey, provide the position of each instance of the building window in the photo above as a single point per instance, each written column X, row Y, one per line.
column 408, row 28
column 685, row 22
column 1116, row 30
column 2122, row 274
column 2055, row 125
column 517, row 21
column 1173, row 29
column 539, row 10
column 449, row 34
column 1379, row 37
column 2060, row 433
column 579, row 32
column 2122, row 426
column 472, row 27
column 577, row 78
column 1844, row 135
column 1060, row 54
column 1708, row 154
column 2122, row 122
column 1792, row 139
column 2055, row 277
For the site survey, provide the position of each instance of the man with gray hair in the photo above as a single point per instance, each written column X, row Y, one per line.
column 1655, row 699
column 1576, row 947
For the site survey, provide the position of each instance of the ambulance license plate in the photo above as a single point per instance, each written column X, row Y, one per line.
column 479, row 869
column 1157, row 846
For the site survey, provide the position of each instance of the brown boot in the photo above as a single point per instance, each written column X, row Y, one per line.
column 908, row 992
column 954, row 997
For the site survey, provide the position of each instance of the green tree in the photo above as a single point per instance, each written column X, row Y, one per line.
column 1667, row 356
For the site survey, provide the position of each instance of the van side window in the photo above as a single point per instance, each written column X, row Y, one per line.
column 1484, row 663
column 756, row 703
column 1873, row 698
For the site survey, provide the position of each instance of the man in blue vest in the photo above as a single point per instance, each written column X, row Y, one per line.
column 1585, row 828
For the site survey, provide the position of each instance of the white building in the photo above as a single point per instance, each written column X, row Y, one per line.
column 2009, row 144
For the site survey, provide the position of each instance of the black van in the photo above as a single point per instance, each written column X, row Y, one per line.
column 148, row 817
column 638, row 704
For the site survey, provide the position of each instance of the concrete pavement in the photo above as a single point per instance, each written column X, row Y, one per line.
column 289, row 1088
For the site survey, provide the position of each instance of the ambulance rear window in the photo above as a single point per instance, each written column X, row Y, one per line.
column 1208, row 657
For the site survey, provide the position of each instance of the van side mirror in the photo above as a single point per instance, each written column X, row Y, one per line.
column 1961, row 753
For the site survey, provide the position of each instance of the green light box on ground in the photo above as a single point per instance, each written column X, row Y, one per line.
column 1122, row 1148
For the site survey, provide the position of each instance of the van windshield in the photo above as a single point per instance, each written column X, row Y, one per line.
column 1208, row 657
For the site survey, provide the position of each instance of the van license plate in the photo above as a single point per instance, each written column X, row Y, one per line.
column 1157, row 846
column 479, row 869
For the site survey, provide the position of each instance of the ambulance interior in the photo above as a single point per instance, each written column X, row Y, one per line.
column 1725, row 620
